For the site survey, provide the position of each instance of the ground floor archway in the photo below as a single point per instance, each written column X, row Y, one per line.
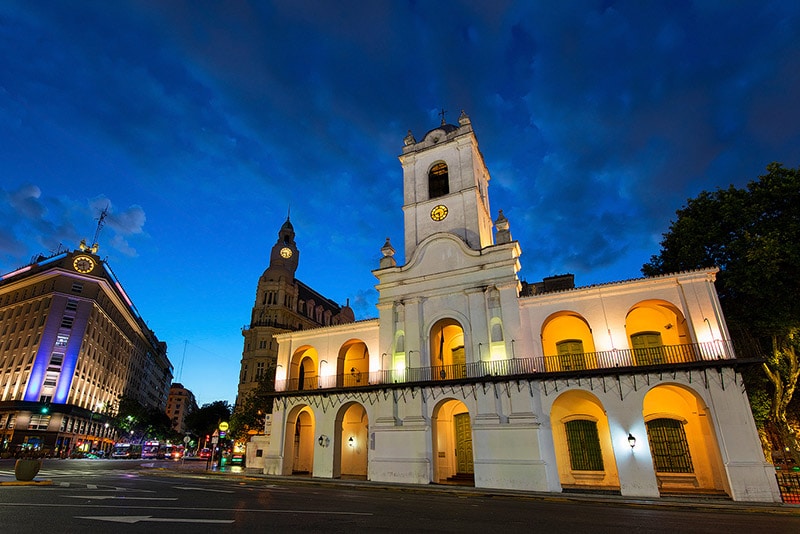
column 299, row 442
column 683, row 443
column 351, row 456
column 582, row 442
column 453, row 459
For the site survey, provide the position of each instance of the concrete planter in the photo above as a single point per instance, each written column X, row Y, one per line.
column 25, row 469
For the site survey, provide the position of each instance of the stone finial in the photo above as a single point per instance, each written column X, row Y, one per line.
column 388, row 255
column 409, row 139
column 503, row 233
column 463, row 119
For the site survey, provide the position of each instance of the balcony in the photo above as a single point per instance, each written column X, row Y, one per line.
column 627, row 359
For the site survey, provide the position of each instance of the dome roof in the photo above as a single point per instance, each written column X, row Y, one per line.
column 446, row 128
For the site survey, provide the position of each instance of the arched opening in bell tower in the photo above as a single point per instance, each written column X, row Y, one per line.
column 438, row 180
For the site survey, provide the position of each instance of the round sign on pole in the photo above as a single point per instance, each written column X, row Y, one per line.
column 186, row 439
column 223, row 426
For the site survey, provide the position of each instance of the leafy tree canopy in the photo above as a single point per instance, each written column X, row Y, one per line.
column 140, row 423
column 249, row 414
column 753, row 236
column 206, row 419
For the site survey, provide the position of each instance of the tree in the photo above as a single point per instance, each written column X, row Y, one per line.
column 206, row 419
column 753, row 236
column 140, row 423
column 250, row 414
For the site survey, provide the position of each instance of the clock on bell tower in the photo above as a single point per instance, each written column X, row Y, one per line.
column 445, row 187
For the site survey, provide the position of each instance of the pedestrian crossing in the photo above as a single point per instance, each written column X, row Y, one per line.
column 76, row 478
column 72, row 473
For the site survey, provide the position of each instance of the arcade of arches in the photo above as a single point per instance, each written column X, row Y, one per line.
column 684, row 451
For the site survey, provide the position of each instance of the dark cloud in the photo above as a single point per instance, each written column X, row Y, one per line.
column 597, row 120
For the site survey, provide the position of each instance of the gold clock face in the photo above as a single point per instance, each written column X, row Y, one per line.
column 438, row 213
column 286, row 252
column 83, row 264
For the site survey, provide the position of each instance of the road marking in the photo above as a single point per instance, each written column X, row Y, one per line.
column 121, row 497
column 91, row 486
column 150, row 519
column 193, row 488
column 181, row 508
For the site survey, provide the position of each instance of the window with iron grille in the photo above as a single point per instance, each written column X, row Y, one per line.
column 583, row 443
column 669, row 447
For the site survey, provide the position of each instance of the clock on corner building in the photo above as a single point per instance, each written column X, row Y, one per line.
column 83, row 264
column 286, row 252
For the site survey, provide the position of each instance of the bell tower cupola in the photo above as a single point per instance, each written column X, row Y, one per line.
column 445, row 186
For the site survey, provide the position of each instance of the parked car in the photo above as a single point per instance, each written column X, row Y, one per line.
column 205, row 453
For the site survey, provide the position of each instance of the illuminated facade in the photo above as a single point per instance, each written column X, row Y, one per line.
column 282, row 304
column 180, row 403
column 629, row 387
column 71, row 343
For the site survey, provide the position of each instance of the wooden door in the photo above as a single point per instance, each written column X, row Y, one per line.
column 463, row 431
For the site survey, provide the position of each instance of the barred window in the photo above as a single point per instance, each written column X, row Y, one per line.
column 669, row 447
column 583, row 443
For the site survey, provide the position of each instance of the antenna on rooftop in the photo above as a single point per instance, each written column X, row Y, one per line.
column 100, row 222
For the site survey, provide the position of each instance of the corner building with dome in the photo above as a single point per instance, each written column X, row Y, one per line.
column 470, row 376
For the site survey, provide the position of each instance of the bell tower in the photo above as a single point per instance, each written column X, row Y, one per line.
column 284, row 254
column 445, row 186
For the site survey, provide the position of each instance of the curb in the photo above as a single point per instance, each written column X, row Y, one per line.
column 27, row 483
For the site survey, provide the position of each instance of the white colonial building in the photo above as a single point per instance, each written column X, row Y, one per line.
column 470, row 376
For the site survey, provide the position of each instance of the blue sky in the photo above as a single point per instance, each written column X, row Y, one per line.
column 200, row 123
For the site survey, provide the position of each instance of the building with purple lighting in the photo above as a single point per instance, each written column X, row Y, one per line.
column 72, row 343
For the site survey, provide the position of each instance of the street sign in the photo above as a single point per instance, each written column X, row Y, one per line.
column 223, row 426
column 215, row 439
column 186, row 439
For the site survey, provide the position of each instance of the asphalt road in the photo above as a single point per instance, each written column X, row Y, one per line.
column 146, row 496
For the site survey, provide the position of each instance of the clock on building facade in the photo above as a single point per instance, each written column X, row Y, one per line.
column 83, row 264
column 439, row 212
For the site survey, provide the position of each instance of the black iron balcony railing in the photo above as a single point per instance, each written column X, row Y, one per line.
column 620, row 358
